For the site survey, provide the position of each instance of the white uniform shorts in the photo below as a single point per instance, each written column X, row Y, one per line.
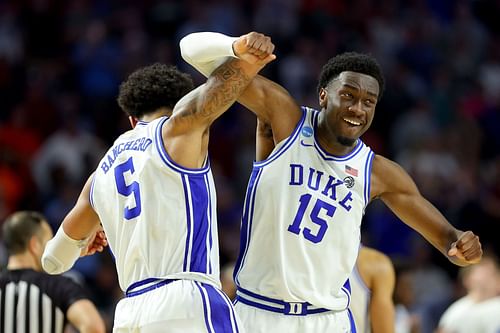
column 177, row 306
column 258, row 320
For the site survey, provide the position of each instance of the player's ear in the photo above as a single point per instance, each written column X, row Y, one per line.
column 323, row 98
column 133, row 121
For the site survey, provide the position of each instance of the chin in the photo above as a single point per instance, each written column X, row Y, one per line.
column 345, row 141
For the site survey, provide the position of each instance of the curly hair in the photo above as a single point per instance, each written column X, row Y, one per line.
column 353, row 62
column 153, row 87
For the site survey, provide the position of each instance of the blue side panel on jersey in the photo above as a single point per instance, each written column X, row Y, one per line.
column 221, row 314
column 199, row 203
column 188, row 224
column 246, row 220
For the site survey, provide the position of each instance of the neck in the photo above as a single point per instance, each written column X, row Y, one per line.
column 157, row 114
column 22, row 261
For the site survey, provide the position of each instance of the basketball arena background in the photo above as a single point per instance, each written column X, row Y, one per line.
column 61, row 63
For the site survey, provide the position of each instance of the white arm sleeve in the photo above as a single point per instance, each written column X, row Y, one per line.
column 61, row 252
column 206, row 51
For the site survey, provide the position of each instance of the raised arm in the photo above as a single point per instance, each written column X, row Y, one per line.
column 398, row 191
column 268, row 100
column 186, row 133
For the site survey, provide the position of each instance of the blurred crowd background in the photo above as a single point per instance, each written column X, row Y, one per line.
column 61, row 63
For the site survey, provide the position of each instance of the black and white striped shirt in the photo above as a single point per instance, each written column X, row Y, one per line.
column 35, row 302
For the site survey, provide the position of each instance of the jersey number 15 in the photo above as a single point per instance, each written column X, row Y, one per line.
column 304, row 200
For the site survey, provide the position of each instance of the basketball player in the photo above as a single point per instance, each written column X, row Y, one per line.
column 154, row 193
column 372, row 280
column 304, row 203
column 372, row 285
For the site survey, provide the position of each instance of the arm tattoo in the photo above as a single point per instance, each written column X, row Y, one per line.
column 221, row 90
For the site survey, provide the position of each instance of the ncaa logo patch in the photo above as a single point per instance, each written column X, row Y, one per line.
column 307, row 131
column 349, row 181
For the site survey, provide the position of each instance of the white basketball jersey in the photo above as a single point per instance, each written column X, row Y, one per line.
column 301, row 221
column 159, row 217
column 360, row 300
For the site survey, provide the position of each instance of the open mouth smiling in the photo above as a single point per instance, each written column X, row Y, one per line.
column 351, row 122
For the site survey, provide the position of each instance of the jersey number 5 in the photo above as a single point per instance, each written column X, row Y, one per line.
column 127, row 190
column 320, row 205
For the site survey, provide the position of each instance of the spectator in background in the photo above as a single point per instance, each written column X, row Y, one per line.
column 31, row 300
column 479, row 310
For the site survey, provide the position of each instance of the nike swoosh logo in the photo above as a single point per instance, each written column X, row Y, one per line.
column 305, row 144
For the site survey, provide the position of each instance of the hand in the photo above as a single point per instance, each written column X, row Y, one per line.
column 97, row 242
column 467, row 249
column 254, row 48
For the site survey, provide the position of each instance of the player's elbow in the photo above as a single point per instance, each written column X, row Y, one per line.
column 186, row 50
column 51, row 264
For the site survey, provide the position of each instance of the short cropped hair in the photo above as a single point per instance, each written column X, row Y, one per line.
column 352, row 62
column 150, row 88
column 18, row 229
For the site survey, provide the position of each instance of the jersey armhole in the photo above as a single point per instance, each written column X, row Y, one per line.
column 283, row 146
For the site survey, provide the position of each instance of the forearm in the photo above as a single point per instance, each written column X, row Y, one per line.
column 205, row 51
column 61, row 252
column 424, row 218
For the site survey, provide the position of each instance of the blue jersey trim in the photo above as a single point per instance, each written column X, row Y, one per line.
column 275, row 154
column 282, row 306
column 330, row 157
column 130, row 292
column 246, row 221
column 326, row 155
column 346, row 288
column 142, row 123
column 166, row 158
column 198, row 202
column 218, row 312
column 91, row 194
column 206, row 304
column 351, row 320
column 189, row 225
column 368, row 173
column 210, row 224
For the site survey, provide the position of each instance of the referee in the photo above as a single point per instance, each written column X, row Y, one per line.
column 32, row 301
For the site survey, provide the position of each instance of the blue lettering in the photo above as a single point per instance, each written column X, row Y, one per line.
column 146, row 144
column 104, row 167
column 110, row 160
column 134, row 145
column 120, row 148
column 296, row 174
column 332, row 185
column 127, row 145
column 115, row 152
column 343, row 202
column 318, row 178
